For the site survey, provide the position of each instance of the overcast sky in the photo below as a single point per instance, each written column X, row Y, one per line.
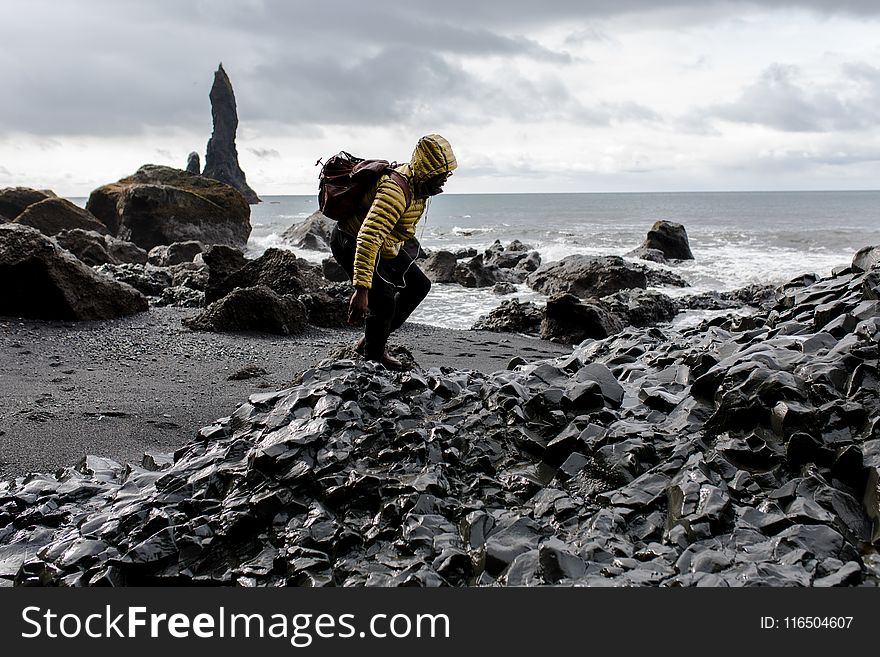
column 535, row 96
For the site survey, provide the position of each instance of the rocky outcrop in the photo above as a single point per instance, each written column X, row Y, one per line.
column 257, row 309
column 570, row 320
column 587, row 277
column 866, row 258
column 640, row 307
column 97, row 249
column 665, row 241
column 15, row 200
column 165, row 255
column 506, row 257
column 52, row 215
column 193, row 163
column 328, row 306
column 312, row 234
column 512, row 316
column 160, row 205
column 720, row 455
column 440, row 267
column 221, row 262
column 43, row 281
column 276, row 269
column 221, row 159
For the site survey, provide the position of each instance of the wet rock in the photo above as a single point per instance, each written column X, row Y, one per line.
column 52, row 215
column 313, row 233
column 160, row 205
column 865, row 259
column 257, row 309
column 503, row 289
column 43, row 281
column 181, row 296
column 512, row 316
column 250, row 372
column 94, row 249
column 166, row 255
column 476, row 273
column 587, row 277
column 669, row 239
column 569, row 320
column 328, row 307
column 440, row 267
column 640, row 307
column 221, row 158
column 506, row 257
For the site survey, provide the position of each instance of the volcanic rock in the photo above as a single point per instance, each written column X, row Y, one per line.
column 256, row 309
column 640, row 307
column 570, row 320
column 147, row 279
column 221, row 159
column 165, row 255
column 506, row 257
column 193, row 163
column 587, row 277
column 97, row 249
column 277, row 269
column 512, row 316
column 669, row 239
column 312, row 234
column 333, row 271
column 328, row 306
column 52, row 215
column 43, row 281
column 15, row 200
column 222, row 261
column 440, row 267
column 160, row 205
column 865, row 259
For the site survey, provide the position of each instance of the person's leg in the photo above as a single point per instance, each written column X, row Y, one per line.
column 377, row 324
column 416, row 288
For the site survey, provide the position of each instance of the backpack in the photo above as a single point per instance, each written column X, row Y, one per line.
column 345, row 179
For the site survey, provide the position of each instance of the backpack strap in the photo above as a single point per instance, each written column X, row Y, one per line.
column 401, row 180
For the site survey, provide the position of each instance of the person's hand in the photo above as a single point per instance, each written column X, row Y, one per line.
column 357, row 307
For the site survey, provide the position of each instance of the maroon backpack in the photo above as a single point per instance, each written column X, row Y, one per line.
column 345, row 180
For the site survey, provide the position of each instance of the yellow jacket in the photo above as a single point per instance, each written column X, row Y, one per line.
column 389, row 221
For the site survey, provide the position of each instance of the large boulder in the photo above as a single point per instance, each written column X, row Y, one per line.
column 333, row 271
column 147, row 279
column 570, row 320
column 313, row 233
column 221, row 159
column 162, row 205
column 506, row 257
column 222, row 261
column 166, row 255
column 866, row 258
column 665, row 240
column 277, row 269
column 640, row 307
column 52, row 215
column 15, row 200
column 476, row 273
column 440, row 267
column 328, row 306
column 512, row 316
column 41, row 280
column 252, row 309
column 587, row 277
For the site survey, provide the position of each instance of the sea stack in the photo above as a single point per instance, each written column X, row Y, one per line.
column 193, row 163
column 221, row 160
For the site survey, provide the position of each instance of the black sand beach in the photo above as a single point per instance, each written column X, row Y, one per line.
column 145, row 383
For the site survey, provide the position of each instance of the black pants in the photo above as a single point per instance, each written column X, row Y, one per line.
column 399, row 286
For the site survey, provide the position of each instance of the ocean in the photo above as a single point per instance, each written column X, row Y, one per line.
column 737, row 238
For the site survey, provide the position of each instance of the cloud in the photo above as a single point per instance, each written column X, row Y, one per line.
column 265, row 153
column 783, row 99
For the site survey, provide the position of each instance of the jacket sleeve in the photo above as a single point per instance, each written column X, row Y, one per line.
column 388, row 206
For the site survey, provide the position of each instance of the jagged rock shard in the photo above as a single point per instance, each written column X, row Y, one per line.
column 221, row 159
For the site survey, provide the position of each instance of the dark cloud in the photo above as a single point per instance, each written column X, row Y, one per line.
column 782, row 99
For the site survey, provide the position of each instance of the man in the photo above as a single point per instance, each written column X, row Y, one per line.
column 388, row 285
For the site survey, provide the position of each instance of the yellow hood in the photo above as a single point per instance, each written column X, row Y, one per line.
column 432, row 155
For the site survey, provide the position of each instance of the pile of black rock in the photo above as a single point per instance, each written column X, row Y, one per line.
column 744, row 451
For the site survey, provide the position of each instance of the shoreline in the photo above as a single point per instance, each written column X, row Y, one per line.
column 144, row 383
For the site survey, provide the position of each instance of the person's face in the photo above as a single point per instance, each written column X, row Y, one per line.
column 434, row 184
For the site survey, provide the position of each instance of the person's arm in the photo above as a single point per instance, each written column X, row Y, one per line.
column 388, row 206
